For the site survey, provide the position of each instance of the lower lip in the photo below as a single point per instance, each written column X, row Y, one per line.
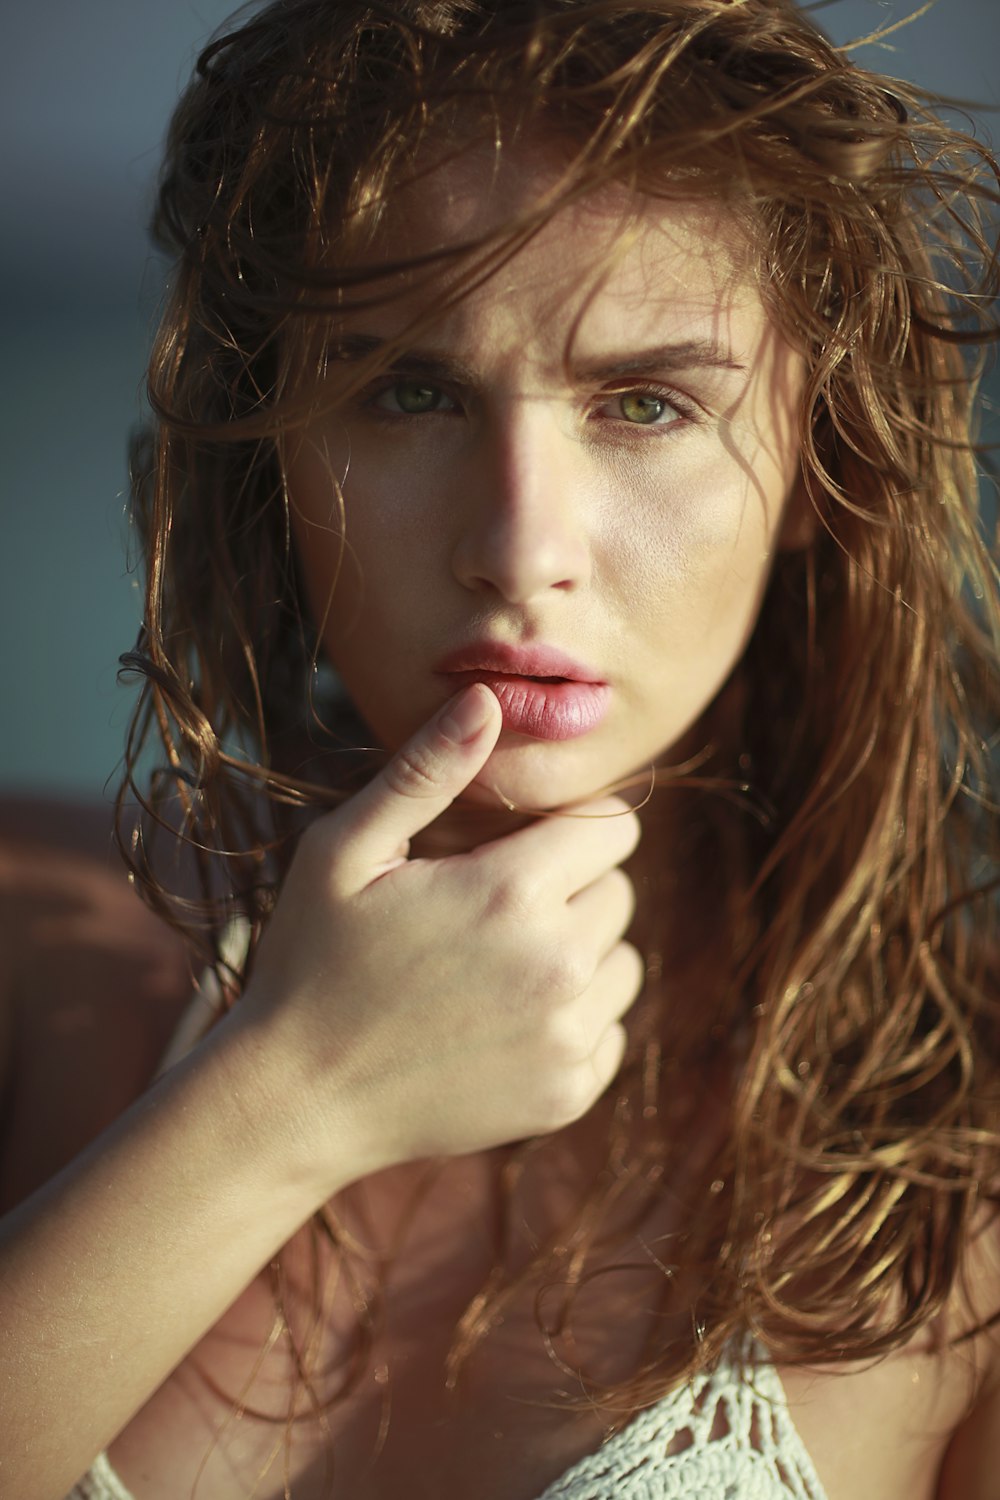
column 542, row 710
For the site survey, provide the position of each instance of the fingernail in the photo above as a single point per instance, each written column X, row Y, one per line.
column 463, row 718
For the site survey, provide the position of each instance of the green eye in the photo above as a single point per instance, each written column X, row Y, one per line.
column 413, row 398
column 636, row 406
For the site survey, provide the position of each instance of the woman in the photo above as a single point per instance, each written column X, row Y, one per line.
column 586, row 384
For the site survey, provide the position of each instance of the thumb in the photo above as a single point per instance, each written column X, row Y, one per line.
column 423, row 778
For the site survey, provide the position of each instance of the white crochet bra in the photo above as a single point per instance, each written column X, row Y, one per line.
column 731, row 1432
column 727, row 1435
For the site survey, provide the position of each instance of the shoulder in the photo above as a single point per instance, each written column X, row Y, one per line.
column 922, row 1423
column 972, row 1461
column 91, row 985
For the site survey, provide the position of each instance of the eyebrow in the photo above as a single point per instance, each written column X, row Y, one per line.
column 357, row 346
column 683, row 354
column 687, row 354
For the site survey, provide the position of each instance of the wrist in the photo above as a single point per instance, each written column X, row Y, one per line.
column 296, row 1124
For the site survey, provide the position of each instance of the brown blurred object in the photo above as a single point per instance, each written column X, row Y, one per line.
column 91, row 986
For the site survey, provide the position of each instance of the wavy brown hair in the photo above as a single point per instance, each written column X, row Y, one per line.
column 842, row 808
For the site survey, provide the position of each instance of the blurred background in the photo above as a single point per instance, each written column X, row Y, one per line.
column 87, row 89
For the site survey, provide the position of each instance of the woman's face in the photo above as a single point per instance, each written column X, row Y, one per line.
column 572, row 488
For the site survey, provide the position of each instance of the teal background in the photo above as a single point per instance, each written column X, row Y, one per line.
column 86, row 93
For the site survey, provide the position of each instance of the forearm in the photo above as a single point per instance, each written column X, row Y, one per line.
column 396, row 1010
column 114, row 1271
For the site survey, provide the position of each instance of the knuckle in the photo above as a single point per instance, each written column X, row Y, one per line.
column 619, row 820
column 625, row 976
column 610, row 806
column 629, row 831
column 610, row 1054
column 566, row 1044
column 411, row 773
column 568, row 1095
column 562, row 975
column 623, row 890
column 515, row 896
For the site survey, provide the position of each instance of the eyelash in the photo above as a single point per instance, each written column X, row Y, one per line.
column 687, row 412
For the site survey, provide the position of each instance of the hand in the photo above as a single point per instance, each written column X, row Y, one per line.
column 441, row 1006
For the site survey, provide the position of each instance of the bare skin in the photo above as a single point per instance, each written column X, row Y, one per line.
column 236, row 1146
column 886, row 1431
column 419, row 995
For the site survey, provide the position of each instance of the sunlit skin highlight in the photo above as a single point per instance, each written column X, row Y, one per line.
column 592, row 452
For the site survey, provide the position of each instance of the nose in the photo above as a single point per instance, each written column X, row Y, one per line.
column 524, row 526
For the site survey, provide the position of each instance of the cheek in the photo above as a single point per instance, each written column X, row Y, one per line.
column 697, row 543
column 351, row 547
column 330, row 575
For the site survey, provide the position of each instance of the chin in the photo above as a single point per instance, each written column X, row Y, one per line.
column 540, row 777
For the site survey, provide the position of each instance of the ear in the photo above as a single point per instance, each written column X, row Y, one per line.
column 799, row 520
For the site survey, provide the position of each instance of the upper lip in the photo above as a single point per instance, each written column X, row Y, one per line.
column 516, row 661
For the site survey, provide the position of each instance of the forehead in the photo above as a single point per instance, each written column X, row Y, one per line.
column 611, row 255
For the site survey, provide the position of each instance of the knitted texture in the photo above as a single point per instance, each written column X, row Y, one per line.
column 100, row 1483
column 728, row 1435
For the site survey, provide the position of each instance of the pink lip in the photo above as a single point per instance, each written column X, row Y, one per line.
column 543, row 693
